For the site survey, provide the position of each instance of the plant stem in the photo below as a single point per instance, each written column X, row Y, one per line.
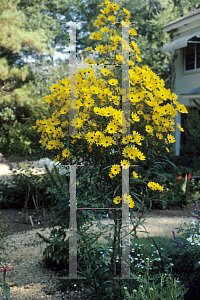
column 114, row 251
column 4, row 277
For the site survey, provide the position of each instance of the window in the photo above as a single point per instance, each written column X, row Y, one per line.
column 192, row 54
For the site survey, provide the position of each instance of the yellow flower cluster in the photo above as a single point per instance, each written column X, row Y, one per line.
column 154, row 186
column 99, row 107
column 127, row 199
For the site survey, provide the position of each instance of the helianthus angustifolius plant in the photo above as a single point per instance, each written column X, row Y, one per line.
column 99, row 101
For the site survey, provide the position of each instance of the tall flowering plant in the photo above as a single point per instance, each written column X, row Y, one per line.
column 99, row 104
column 102, row 136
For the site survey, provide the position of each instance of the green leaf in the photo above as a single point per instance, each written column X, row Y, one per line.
column 6, row 291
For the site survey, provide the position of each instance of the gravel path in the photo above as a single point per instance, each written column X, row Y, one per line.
column 29, row 279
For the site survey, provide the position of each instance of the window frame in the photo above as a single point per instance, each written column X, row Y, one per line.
column 195, row 55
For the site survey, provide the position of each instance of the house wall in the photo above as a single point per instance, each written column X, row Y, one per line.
column 184, row 80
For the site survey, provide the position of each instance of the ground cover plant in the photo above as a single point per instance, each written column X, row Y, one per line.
column 124, row 120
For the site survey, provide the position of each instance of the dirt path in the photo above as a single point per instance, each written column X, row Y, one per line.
column 157, row 223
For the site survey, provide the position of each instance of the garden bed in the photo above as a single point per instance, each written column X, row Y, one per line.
column 30, row 280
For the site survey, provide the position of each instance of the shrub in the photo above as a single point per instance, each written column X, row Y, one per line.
column 26, row 189
column 16, row 133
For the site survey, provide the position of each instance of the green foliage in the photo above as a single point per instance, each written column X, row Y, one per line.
column 16, row 130
column 186, row 259
column 162, row 286
column 13, row 43
column 191, row 146
column 25, row 190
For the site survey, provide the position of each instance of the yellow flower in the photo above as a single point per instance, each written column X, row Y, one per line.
column 108, row 111
column 58, row 133
column 107, row 141
column 141, row 156
column 115, row 7
column 112, row 128
column 54, row 121
column 134, row 98
column 125, row 140
column 52, row 144
column 98, row 135
column 113, row 81
column 131, row 152
column 105, row 29
column 138, row 58
column 159, row 136
column 125, row 164
column 105, row 72
column 101, row 49
column 66, row 153
column 116, row 100
column 180, row 128
column 55, row 87
column 110, row 174
column 149, row 129
column 182, row 108
column 127, row 12
column 127, row 199
column 90, row 137
column 65, row 123
column 132, row 32
column 97, row 110
column 50, row 128
column 112, row 19
column 117, row 200
column 115, row 169
column 89, row 102
column 154, row 186
column 106, row 10
column 64, row 110
column 98, row 23
column 135, row 175
column 96, row 35
column 88, row 49
column 171, row 138
column 94, row 89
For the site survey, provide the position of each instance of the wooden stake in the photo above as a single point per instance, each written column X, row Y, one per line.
column 31, row 220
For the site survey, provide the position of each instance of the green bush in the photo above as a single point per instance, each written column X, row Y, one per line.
column 26, row 190
column 17, row 135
